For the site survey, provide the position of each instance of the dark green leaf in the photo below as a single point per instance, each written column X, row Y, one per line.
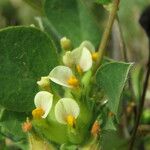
column 11, row 123
column 72, row 18
column 111, row 140
column 26, row 54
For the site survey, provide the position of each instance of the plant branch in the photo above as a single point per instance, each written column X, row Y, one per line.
column 36, row 5
column 107, row 32
column 122, row 43
column 141, row 103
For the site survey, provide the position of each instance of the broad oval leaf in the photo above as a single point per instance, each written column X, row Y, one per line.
column 26, row 54
column 111, row 78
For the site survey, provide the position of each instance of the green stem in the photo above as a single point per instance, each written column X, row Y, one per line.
column 122, row 43
column 107, row 32
column 36, row 6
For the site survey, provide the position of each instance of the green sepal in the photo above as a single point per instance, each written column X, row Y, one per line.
column 51, row 131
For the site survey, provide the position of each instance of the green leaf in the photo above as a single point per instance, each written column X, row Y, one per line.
column 111, row 78
column 11, row 123
column 26, row 54
column 112, row 140
column 104, row 2
column 49, row 29
column 136, row 79
column 110, row 124
column 72, row 18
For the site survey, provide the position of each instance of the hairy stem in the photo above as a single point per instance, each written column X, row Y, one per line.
column 141, row 103
column 107, row 32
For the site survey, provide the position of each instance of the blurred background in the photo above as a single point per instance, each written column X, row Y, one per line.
column 16, row 12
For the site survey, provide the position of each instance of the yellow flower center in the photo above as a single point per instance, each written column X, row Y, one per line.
column 95, row 56
column 70, row 120
column 73, row 81
column 79, row 69
column 37, row 113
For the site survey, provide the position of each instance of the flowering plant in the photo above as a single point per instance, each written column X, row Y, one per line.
column 59, row 89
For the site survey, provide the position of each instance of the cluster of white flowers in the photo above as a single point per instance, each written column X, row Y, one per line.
column 66, row 109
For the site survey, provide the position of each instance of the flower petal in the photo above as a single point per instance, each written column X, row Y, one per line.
column 85, row 60
column 61, row 75
column 76, row 54
column 44, row 100
column 65, row 107
column 88, row 45
column 68, row 59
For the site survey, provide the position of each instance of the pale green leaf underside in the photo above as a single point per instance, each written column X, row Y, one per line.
column 111, row 78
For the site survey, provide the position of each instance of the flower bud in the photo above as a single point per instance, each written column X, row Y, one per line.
column 65, row 43
column 44, row 83
column 95, row 128
column 26, row 126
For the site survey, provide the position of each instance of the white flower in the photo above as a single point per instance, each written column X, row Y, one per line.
column 63, row 75
column 43, row 101
column 91, row 48
column 81, row 57
column 88, row 45
column 67, row 111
